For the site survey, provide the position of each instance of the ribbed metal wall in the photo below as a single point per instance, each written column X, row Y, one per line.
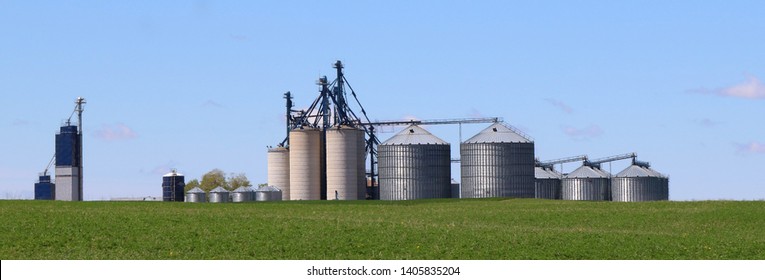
column 196, row 195
column 242, row 194
column 305, row 164
column 637, row 183
column 547, row 184
column 345, row 163
column 414, row 171
column 268, row 193
column 414, row 164
column 279, row 170
column 497, row 170
column 586, row 183
column 219, row 195
column 497, row 162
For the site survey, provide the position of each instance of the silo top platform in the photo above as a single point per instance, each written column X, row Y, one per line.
column 172, row 174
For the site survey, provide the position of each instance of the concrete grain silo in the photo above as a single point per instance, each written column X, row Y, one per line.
column 279, row 170
column 306, row 164
column 345, row 164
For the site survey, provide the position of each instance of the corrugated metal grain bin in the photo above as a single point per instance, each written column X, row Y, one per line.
column 196, row 195
column 497, row 162
column 268, row 193
column 219, row 195
column 547, row 184
column 414, row 164
column 279, row 170
column 586, row 183
column 639, row 183
column 242, row 194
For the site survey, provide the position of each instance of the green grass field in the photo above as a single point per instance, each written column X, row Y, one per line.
column 494, row 229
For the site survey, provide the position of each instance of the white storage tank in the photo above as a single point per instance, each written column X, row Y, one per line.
column 345, row 164
column 279, row 170
column 305, row 164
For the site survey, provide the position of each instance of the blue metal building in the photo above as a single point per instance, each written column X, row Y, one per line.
column 44, row 189
column 172, row 187
column 69, row 164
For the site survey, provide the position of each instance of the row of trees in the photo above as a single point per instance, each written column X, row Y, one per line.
column 217, row 178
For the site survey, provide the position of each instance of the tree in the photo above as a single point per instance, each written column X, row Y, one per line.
column 213, row 179
column 190, row 185
column 238, row 180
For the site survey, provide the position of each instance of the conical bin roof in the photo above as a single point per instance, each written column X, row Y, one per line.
column 219, row 190
column 498, row 133
column 587, row 172
column 414, row 135
column 196, row 190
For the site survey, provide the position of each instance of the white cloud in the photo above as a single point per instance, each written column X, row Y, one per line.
column 751, row 148
column 751, row 89
column 591, row 131
column 560, row 105
column 115, row 132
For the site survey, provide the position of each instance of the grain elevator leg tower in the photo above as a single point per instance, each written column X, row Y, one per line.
column 69, row 157
column 326, row 147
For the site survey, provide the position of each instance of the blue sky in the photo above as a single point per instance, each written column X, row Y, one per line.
column 197, row 85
